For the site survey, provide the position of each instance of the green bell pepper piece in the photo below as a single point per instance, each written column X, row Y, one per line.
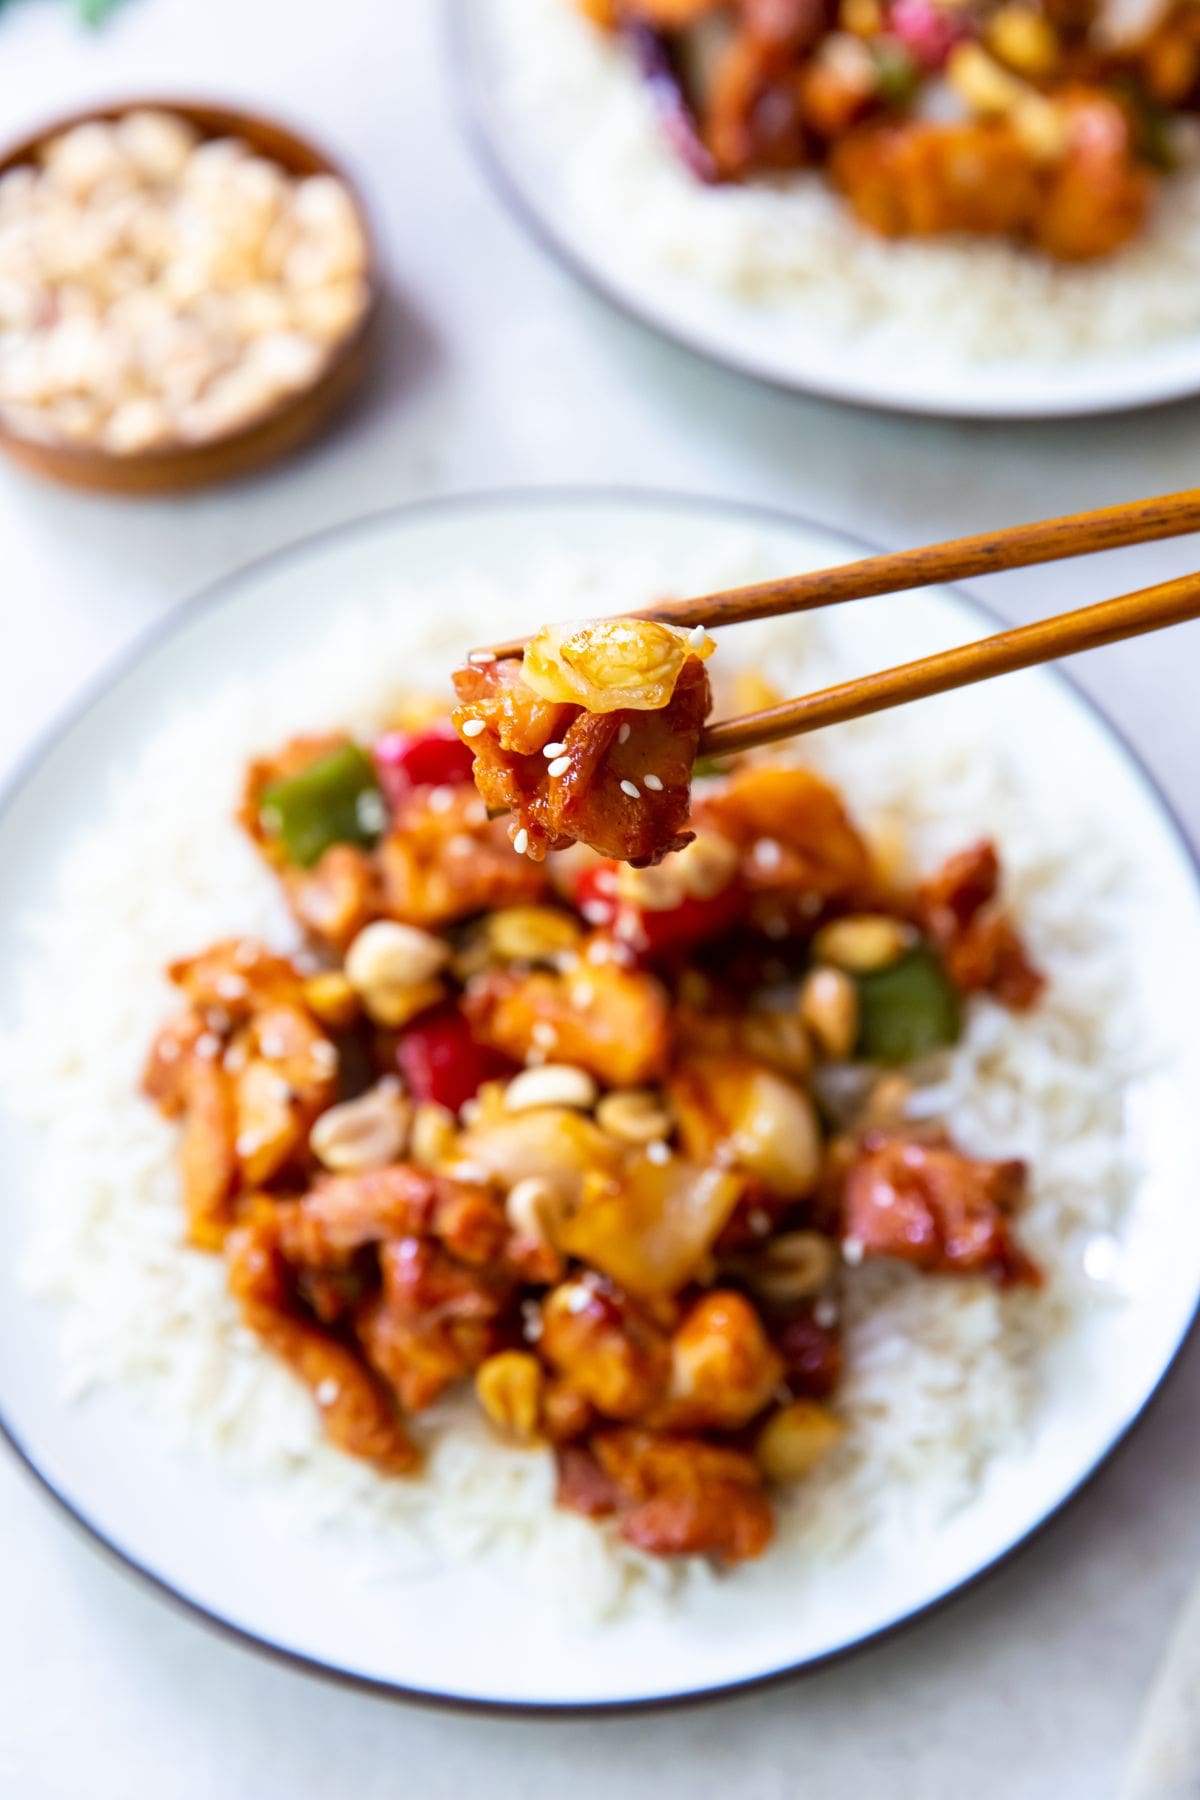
column 336, row 800
column 907, row 1009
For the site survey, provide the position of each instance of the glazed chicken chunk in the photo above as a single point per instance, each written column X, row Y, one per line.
column 591, row 738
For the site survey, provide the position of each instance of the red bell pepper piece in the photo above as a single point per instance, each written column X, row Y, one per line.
column 653, row 931
column 434, row 757
column 441, row 1061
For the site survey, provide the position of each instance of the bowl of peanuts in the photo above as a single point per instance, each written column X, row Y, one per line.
column 187, row 292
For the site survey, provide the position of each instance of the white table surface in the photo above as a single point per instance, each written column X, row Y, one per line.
column 498, row 371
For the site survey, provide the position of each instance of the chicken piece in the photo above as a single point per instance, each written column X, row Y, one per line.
column 816, row 849
column 790, row 23
column 434, row 1322
column 235, row 978
column 919, row 178
column 980, row 946
column 344, row 1213
column 334, row 900
column 606, row 1349
column 171, row 1054
column 751, row 118
column 208, row 1157
column 594, row 791
column 357, row 1413
column 608, row 1019
column 934, row 1207
column 681, row 1496
column 286, row 1078
column 723, row 1368
column 584, row 1487
column 246, row 1068
column 443, row 860
column 1099, row 195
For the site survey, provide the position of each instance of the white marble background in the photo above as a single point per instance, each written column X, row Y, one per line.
column 498, row 371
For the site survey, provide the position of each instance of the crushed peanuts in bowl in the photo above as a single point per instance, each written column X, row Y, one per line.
column 169, row 279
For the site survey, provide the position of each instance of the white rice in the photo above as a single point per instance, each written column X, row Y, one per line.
column 791, row 246
column 944, row 1376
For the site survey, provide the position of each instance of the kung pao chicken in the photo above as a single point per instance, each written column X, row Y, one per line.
column 1047, row 122
column 604, row 1142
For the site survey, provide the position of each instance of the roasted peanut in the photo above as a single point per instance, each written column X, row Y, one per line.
column 829, row 1010
column 795, row 1439
column 509, row 1387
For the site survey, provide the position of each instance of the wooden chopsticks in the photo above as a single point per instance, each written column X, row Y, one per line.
column 1018, row 547
column 1129, row 615
column 1015, row 547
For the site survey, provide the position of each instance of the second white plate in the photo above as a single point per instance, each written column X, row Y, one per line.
column 783, row 345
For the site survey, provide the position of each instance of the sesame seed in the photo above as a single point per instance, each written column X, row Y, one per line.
column 627, row 787
column 468, row 1171
column 230, row 987
column 658, row 1152
column 535, row 1058
column 559, row 766
column 623, row 734
column 482, row 656
column 327, row 1391
column 583, row 993
column 208, row 1046
column 550, row 751
column 578, row 1297
column 1100, row 1258
column 324, row 1056
column 605, row 881
column 697, row 637
column 371, row 812
column 272, row 1045
column 825, row 1314
column 759, row 1221
column 767, row 853
column 474, row 727
column 168, row 1051
column 520, row 841
column 531, row 1320
column 596, row 913
column 653, row 782
column 441, row 799
column 852, row 1251
column 543, row 1033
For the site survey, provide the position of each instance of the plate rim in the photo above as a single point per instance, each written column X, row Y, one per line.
column 471, row 108
column 504, row 499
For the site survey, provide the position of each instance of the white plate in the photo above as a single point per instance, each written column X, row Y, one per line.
column 776, row 345
column 459, row 1636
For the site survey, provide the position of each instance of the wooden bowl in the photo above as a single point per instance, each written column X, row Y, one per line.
column 285, row 426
